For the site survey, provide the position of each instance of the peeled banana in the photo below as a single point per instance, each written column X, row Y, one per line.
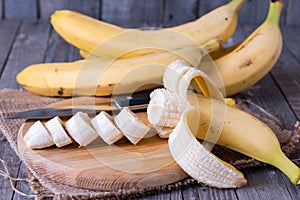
column 110, row 41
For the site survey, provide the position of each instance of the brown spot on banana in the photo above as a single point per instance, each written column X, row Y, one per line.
column 247, row 63
column 60, row 91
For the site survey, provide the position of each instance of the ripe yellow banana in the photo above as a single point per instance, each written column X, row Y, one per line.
column 110, row 41
column 105, row 77
column 241, row 131
column 255, row 56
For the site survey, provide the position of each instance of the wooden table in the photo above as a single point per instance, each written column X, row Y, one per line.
column 25, row 43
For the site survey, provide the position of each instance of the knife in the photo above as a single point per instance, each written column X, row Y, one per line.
column 137, row 101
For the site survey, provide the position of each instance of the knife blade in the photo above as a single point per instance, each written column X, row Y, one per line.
column 136, row 101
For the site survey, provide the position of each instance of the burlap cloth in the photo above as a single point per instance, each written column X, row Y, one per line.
column 13, row 101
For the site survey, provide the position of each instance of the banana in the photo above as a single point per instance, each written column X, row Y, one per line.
column 105, row 77
column 105, row 127
column 192, row 156
column 80, row 129
column 240, row 132
column 37, row 136
column 132, row 127
column 255, row 56
column 110, row 41
column 57, row 132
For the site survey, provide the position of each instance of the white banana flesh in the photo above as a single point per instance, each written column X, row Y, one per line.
column 165, row 108
column 80, row 129
column 37, row 136
column 57, row 132
column 132, row 127
column 105, row 127
column 199, row 163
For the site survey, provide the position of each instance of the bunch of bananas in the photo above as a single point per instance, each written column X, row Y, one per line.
column 119, row 60
column 116, row 52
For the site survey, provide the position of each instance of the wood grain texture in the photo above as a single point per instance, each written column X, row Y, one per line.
column 133, row 13
column 22, row 185
column 286, row 74
column 207, row 193
column 1, row 9
column 90, row 7
column 8, row 33
column 293, row 10
column 13, row 163
column 106, row 167
column 21, row 9
column 178, row 12
column 28, row 48
column 263, row 183
column 59, row 50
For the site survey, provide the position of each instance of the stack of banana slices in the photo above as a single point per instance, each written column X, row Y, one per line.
column 84, row 130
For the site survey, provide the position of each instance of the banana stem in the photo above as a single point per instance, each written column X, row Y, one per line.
column 274, row 12
column 291, row 170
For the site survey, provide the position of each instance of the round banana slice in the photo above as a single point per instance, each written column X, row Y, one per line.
column 80, row 129
column 105, row 127
column 164, row 108
column 132, row 127
column 57, row 131
column 37, row 136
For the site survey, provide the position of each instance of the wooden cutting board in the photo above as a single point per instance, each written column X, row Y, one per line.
column 101, row 166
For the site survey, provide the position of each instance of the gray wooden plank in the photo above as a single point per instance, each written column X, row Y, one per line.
column 179, row 12
column 291, row 188
column 59, row 50
column 208, row 193
column 263, row 183
column 8, row 33
column 13, row 162
column 161, row 195
column 292, row 12
column 28, row 48
column 91, row 8
column 22, row 186
column 1, row 9
column 286, row 74
column 207, row 6
column 21, row 9
column 261, row 11
column 292, row 40
column 132, row 13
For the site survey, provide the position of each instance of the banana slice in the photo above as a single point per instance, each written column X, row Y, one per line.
column 57, row 131
column 37, row 136
column 164, row 108
column 105, row 127
column 132, row 127
column 163, row 132
column 80, row 129
column 174, row 73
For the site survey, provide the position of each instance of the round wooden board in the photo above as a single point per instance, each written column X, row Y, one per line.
column 105, row 167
